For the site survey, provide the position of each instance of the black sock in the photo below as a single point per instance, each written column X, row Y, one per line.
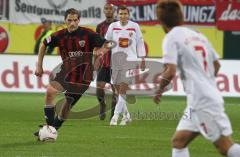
column 100, row 96
column 57, row 123
column 49, row 114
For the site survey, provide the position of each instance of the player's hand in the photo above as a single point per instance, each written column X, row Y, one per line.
column 99, row 51
column 143, row 66
column 158, row 96
column 39, row 71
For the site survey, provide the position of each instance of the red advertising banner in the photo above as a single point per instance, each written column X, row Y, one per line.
column 195, row 12
column 228, row 15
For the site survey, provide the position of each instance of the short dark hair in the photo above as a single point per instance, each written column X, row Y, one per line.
column 72, row 11
column 169, row 12
column 122, row 7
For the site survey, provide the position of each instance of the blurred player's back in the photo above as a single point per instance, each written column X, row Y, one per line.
column 195, row 60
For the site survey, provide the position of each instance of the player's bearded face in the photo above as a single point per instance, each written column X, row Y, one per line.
column 72, row 22
column 123, row 16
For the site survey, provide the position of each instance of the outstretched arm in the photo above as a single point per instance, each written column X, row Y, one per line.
column 166, row 77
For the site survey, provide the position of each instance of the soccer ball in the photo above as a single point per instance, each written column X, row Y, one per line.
column 47, row 133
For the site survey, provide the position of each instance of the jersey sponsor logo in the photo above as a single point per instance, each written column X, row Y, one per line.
column 123, row 42
column 82, row 43
column 75, row 53
column 4, row 40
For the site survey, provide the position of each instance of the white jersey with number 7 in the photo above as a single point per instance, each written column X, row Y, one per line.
column 194, row 57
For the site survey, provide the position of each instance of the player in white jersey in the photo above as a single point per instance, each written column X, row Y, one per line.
column 190, row 52
column 129, row 46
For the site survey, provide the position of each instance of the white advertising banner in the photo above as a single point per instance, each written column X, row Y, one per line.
column 37, row 11
column 17, row 75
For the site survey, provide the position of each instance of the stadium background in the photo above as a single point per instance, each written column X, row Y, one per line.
column 20, row 22
column 20, row 27
column 21, row 105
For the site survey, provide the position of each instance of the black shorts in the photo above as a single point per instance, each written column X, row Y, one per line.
column 73, row 90
column 104, row 75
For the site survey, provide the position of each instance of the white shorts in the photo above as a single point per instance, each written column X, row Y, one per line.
column 211, row 126
column 121, row 76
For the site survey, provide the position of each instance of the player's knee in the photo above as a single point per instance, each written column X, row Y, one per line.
column 178, row 143
column 100, row 94
column 72, row 99
column 101, row 85
column 123, row 88
column 222, row 149
column 50, row 92
column 223, row 144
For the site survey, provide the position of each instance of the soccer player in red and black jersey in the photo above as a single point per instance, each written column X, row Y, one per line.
column 76, row 45
column 104, row 72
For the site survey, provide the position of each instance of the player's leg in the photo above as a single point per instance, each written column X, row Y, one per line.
column 216, row 127
column 70, row 100
column 124, row 86
column 227, row 147
column 101, row 82
column 180, row 141
column 104, row 76
column 118, row 108
column 114, row 100
column 53, row 89
column 122, row 97
column 224, row 143
column 186, row 131
column 101, row 99
column 72, row 95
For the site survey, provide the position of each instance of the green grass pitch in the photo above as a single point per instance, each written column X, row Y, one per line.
column 147, row 135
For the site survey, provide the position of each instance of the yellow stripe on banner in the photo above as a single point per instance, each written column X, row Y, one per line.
column 22, row 38
column 153, row 36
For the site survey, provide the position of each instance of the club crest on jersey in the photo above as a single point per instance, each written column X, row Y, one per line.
column 82, row 43
column 130, row 34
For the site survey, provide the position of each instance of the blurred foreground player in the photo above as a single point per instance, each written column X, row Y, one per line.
column 197, row 61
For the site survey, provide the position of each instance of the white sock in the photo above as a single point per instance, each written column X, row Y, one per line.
column 234, row 151
column 125, row 109
column 119, row 106
column 126, row 112
column 180, row 152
